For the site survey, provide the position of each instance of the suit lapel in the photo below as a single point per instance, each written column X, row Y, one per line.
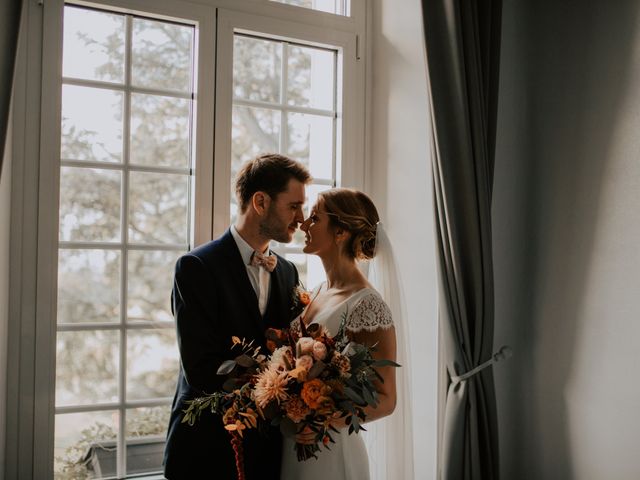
column 238, row 274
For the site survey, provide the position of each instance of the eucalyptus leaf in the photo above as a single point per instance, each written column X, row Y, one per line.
column 384, row 363
column 316, row 370
column 245, row 361
column 353, row 395
column 231, row 384
column 226, row 367
column 368, row 397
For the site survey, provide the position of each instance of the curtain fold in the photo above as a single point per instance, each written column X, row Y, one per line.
column 9, row 26
column 462, row 39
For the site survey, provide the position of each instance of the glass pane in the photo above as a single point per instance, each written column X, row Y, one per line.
column 93, row 45
column 88, row 286
column 161, row 55
column 311, row 142
column 310, row 79
column 159, row 130
column 158, row 208
column 91, row 124
column 89, row 204
column 142, row 422
column 146, row 430
column 309, row 267
column 152, row 363
column 150, row 283
column 87, row 367
column 85, row 445
column 254, row 131
column 339, row 7
column 257, row 66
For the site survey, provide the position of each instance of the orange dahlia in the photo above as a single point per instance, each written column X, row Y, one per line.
column 315, row 393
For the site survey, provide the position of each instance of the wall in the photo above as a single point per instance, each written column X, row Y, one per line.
column 400, row 183
column 566, row 212
column 5, row 203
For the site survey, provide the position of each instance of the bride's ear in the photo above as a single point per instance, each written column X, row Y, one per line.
column 341, row 235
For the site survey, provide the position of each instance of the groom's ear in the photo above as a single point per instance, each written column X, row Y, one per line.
column 260, row 202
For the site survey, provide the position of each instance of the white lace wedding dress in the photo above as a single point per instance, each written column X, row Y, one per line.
column 347, row 459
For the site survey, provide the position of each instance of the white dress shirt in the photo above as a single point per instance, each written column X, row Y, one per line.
column 259, row 277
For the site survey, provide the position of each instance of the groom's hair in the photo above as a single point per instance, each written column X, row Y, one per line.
column 269, row 173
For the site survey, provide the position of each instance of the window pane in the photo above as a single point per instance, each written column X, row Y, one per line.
column 311, row 142
column 257, row 66
column 93, row 45
column 146, row 430
column 158, row 208
column 88, row 286
column 161, row 55
column 91, row 124
column 255, row 131
column 339, row 7
column 309, row 268
column 147, row 421
column 159, row 130
column 312, row 194
column 310, row 79
column 85, row 444
column 87, row 367
column 150, row 284
column 152, row 363
column 89, row 204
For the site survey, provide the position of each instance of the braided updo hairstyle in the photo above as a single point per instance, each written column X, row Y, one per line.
column 353, row 211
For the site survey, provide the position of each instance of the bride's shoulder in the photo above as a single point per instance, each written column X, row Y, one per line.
column 369, row 312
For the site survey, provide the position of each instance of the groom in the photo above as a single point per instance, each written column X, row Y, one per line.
column 233, row 286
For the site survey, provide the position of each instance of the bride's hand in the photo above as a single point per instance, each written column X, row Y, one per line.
column 306, row 436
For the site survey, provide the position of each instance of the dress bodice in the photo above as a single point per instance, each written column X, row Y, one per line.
column 364, row 310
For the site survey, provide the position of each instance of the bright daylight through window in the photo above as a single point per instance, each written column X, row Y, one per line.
column 125, row 217
column 284, row 100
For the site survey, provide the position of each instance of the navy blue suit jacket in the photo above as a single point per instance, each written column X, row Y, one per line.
column 213, row 300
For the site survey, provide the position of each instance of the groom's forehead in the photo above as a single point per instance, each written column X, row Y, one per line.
column 295, row 192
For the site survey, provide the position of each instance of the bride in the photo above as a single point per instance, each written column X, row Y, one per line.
column 342, row 229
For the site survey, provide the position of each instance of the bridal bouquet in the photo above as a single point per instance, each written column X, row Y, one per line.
column 308, row 381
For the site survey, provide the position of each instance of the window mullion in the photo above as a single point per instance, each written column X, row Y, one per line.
column 121, row 467
column 284, row 147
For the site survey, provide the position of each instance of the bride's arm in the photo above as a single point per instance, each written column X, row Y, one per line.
column 385, row 338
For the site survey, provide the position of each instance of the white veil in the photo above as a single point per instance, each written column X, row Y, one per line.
column 389, row 440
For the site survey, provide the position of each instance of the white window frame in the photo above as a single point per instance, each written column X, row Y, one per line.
column 350, row 109
column 36, row 166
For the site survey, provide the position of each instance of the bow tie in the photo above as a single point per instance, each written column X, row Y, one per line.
column 268, row 262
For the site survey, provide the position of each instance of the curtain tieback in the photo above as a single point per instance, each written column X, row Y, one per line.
column 502, row 354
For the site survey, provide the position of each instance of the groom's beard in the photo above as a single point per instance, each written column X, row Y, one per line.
column 274, row 228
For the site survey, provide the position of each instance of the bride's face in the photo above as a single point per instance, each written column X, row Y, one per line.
column 319, row 236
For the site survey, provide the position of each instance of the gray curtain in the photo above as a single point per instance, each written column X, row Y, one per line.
column 462, row 39
column 9, row 26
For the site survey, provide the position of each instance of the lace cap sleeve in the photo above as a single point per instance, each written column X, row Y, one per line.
column 369, row 314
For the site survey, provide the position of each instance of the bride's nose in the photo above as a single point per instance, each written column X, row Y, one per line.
column 305, row 225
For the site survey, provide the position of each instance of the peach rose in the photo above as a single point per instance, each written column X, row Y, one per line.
column 304, row 346
column 305, row 361
column 319, row 351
